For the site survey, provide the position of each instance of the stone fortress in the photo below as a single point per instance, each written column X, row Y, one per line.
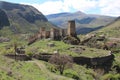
column 57, row 34
column 54, row 33
column 68, row 36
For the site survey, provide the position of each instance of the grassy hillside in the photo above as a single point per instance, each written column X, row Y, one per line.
column 24, row 19
column 41, row 46
column 26, row 70
column 40, row 70
column 112, row 29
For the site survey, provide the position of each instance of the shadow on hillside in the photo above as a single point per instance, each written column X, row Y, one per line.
column 3, row 19
column 87, row 30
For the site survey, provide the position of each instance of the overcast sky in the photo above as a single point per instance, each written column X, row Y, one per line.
column 102, row 7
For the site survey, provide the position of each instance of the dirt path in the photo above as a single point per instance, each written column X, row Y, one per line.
column 48, row 73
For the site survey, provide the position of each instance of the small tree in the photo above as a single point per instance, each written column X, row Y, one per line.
column 61, row 62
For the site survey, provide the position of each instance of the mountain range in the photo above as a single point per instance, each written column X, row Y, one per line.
column 25, row 19
column 85, row 23
column 19, row 18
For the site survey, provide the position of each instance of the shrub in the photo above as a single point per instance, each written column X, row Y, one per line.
column 61, row 62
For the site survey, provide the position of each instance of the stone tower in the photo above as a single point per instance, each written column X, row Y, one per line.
column 71, row 28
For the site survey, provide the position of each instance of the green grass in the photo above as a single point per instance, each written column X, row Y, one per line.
column 41, row 46
column 30, row 71
column 5, row 31
column 3, row 44
column 25, row 70
column 20, row 70
column 117, row 59
column 111, row 30
column 4, row 76
column 93, row 52
column 76, row 72
column 79, row 72
column 110, row 77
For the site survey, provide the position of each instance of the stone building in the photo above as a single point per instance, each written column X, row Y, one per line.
column 71, row 31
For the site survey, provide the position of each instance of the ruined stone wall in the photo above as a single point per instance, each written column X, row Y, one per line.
column 63, row 32
column 21, row 57
column 94, row 62
column 47, row 34
column 55, row 34
column 105, row 61
column 32, row 39
column 43, row 56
